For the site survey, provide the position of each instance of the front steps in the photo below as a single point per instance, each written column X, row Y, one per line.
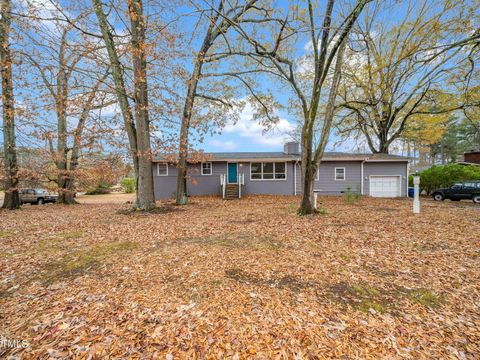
column 231, row 191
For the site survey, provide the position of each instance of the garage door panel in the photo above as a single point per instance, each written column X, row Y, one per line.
column 385, row 186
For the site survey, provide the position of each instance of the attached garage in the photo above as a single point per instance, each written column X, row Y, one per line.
column 385, row 186
column 385, row 178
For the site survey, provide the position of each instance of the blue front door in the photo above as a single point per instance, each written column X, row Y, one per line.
column 232, row 173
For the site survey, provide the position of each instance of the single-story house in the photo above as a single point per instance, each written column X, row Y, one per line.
column 233, row 174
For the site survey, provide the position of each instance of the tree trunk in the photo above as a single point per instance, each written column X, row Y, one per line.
column 144, row 183
column 311, row 161
column 62, row 151
column 11, row 200
column 308, row 170
column 181, row 194
column 145, row 193
column 383, row 142
column 307, row 206
column 68, row 186
column 214, row 30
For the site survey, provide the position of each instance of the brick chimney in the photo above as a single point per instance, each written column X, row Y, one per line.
column 472, row 156
column 291, row 148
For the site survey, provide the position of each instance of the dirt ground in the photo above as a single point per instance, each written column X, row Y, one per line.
column 241, row 279
column 114, row 198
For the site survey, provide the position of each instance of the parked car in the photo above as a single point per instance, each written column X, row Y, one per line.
column 37, row 196
column 458, row 191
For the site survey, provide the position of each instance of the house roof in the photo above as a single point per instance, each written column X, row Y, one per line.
column 467, row 163
column 280, row 156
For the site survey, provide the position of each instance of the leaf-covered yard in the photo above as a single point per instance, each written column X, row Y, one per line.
column 242, row 279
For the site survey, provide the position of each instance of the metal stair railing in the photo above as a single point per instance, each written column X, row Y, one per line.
column 223, row 184
column 241, row 181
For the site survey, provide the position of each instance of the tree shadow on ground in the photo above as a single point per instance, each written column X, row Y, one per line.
column 360, row 296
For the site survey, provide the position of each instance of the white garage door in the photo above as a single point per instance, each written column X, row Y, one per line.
column 385, row 186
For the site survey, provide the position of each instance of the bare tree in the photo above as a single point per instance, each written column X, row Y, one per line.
column 394, row 66
column 11, row 200
column 215, row 47
column 136, row 122
column 280, row 60
column 74, row 92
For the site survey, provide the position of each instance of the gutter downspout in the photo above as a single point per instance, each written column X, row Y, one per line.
column 295, row 178
column 408, row 175
column 361, row 175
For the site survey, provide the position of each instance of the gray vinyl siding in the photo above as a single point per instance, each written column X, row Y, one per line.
column 385, row 168
column 165, row 186
column 268, row 187
column 298, row 182
column 326, row 183
column 197, row 184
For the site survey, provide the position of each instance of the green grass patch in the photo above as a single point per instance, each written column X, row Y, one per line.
column 5, row 294
column 362, row 297
column 366, row 305
column 424, row 297
column 351, row 197
column 80, row 261
column 53, row 243
column 292, row 208
column 237, row 240
column 70, row 235
column 345, row 257
column 5, row 233
column 322, row 210
column 365, row 290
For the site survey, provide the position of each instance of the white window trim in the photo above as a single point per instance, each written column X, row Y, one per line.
column 158, row 169
column 344, row 174
column 274, row 162
column 211, row 168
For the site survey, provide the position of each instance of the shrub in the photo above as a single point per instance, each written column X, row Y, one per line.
column 350, row 196
column 441, row 176
column 102, row 189
column 128, row 185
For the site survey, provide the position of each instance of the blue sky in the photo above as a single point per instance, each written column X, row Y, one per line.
column 246, row 134
column 249, row 135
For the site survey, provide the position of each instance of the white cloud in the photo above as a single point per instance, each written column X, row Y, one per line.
column 223, row 144
column 353, row 59
column 246, row 128
column 109, row 111
column 45, row 10
column 308, row 47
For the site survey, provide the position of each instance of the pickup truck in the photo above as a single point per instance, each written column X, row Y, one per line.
column 37, row 196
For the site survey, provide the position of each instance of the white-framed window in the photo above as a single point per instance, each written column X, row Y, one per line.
column 162, row 169
column 340, row 173
column 207, row 168
column 268, row 171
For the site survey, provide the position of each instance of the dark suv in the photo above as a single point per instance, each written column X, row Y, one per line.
column 458, row 191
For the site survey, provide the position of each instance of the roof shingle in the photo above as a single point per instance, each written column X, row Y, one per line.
column 328, row 156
